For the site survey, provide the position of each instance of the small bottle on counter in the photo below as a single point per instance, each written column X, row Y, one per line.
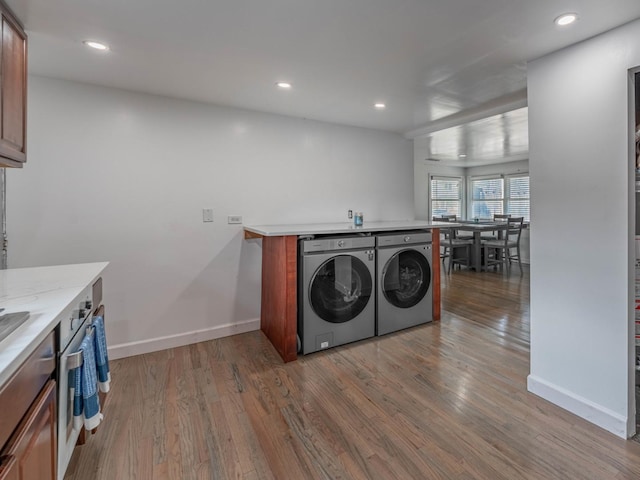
column 358, row 219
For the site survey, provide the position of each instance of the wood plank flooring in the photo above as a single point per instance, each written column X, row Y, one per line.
column 446, row 400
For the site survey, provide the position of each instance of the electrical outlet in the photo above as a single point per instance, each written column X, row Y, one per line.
column 234, row 219
column 207, row 215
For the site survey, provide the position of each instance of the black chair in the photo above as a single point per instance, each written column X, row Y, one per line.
column 500, row 251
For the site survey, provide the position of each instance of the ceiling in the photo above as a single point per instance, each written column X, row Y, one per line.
column 495, row 139
column 434, row 63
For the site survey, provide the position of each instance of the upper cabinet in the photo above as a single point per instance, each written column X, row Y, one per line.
column 13, row 91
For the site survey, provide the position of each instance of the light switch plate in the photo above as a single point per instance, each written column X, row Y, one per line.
column 207, row 215
column 234, row 219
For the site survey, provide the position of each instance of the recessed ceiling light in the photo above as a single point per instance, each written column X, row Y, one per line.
column 96, row 45
column 379, row 106
column 566, row 19
column 284, row 85
column 462, row 155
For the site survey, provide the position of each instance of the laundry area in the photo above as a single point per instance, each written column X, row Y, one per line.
column 353, row 282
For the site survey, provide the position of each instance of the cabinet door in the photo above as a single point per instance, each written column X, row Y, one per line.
column 33, row 445
column 13, row 94
column 8, row 468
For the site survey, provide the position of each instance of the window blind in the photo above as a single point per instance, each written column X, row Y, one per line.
column 446, row 196
column 487, row 197
column 518, row 197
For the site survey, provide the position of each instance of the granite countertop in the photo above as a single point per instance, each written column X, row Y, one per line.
column 45, row 292
column 344, row 227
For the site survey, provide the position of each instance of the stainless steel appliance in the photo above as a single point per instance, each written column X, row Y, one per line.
column 72, row 330
column 336, row 291
column 404, row 277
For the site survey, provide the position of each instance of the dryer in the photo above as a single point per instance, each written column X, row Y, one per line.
column 404, row 278
column 336, row 291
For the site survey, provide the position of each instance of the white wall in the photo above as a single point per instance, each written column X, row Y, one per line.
column 581, row 248
column 123, row 177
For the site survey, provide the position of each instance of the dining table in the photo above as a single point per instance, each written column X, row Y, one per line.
column 477, row 227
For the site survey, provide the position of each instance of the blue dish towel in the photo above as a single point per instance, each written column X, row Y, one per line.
column 102, row 359
column 86, row 406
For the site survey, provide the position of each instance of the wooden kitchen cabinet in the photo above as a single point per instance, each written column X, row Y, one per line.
column 13, row 90
column 8, row 468
column 28, row 418
column 32, row 452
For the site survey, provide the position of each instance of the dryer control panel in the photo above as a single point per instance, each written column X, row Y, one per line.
column 405, row 238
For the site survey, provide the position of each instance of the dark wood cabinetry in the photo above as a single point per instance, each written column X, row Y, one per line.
column 28, row 418
column 13, row 91
column 8, row 468
column 32, row 450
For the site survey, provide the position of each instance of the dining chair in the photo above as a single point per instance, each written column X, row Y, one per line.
column 444, row 235
column 496, row 217
column 500, row 251
column 452, row 244
column 449, row 243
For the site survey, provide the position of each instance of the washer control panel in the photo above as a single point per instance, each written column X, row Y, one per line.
column 334, row 244
column 405, row 238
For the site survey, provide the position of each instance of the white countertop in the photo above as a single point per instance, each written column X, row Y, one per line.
column 344, row 227
column 45, row 292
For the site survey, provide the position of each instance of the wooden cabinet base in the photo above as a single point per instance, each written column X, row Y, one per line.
column 32, row 451
column 278, row 317
column 435, row 271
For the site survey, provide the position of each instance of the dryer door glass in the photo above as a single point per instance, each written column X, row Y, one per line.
column 406, row 278
column 340, row 289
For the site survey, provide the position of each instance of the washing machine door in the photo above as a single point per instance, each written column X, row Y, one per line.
column 406, row 278
column 340, row 289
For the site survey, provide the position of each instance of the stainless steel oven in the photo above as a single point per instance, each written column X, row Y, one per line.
column 72, row 330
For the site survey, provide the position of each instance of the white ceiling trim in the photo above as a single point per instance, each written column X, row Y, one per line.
column 502, row 105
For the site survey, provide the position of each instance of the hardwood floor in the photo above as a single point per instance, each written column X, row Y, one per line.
column 446, row 400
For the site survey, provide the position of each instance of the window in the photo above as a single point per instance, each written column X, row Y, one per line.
column 499, row 195
column 446, row 196
column 487, row 197
column 518, row 196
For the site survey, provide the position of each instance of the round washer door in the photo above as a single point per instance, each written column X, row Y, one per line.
column 406, row 278
column 340, row 289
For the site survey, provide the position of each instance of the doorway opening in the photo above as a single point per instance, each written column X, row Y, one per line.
column 636, row 341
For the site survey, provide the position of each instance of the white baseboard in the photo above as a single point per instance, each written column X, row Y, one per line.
column 162, row 343
column 592, row 412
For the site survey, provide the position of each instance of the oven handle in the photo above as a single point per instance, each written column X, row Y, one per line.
column 74, row 360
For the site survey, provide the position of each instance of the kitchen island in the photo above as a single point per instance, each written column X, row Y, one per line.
column 40, row 306
column 45, row 292
column 279, row 302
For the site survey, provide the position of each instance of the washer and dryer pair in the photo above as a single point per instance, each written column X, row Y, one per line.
column 352, row 288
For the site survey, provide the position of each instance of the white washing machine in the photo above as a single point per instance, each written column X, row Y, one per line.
column 404, row 278
column 336, row 291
